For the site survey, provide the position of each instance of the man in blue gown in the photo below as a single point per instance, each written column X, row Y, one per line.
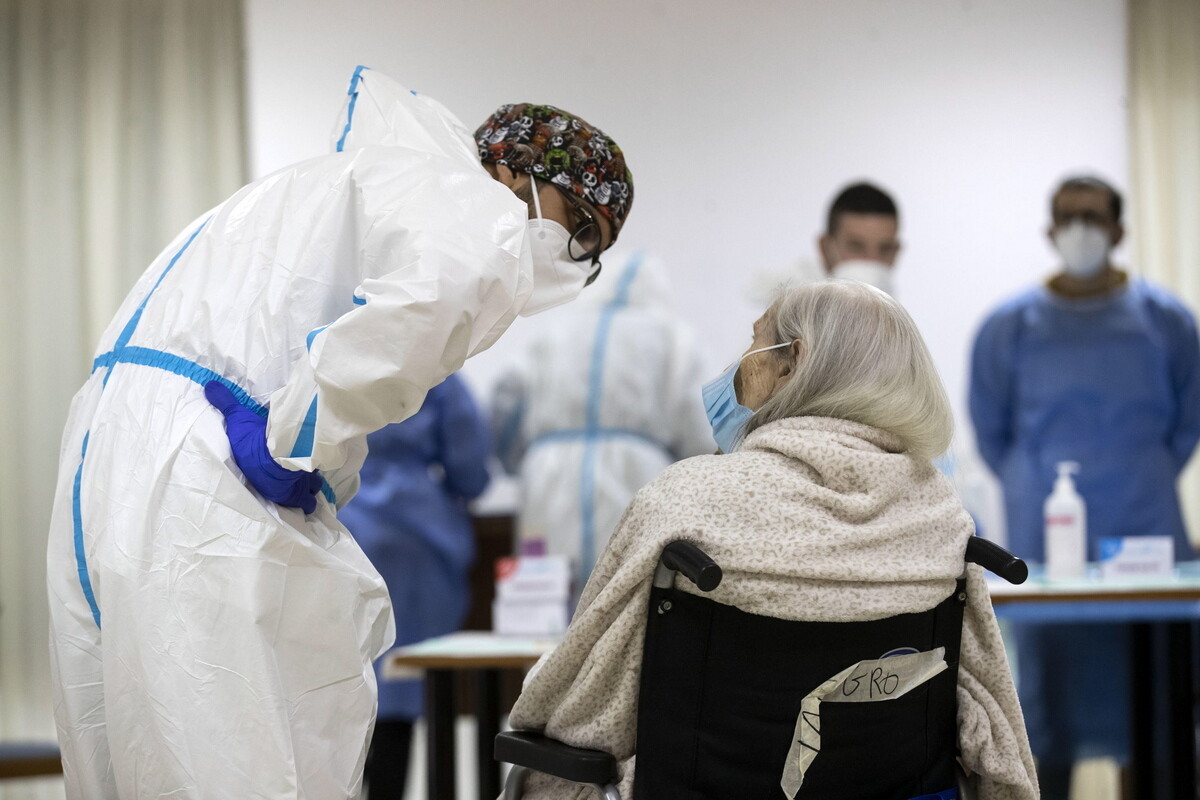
column 1102, row 369
column 410, row 518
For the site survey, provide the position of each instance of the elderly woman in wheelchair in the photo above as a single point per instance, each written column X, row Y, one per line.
column 795, row 617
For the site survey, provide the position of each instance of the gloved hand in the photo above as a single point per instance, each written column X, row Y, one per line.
column 247, row 434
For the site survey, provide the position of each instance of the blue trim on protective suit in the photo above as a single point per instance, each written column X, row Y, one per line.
column 587, row 473
column 145, row 357
column 308, row 340
column 80, row 557
column 304, row 440
column 107, row 360
column 353, row 92
column 599, row 432
column 131, row 325
column 358, row 301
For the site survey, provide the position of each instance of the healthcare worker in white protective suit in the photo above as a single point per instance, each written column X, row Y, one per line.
column 211, row 639
column 606, row 397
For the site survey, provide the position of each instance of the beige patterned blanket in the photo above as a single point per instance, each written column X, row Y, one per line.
column 812, row 518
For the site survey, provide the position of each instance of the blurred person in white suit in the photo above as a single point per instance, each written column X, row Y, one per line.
column 606, row 396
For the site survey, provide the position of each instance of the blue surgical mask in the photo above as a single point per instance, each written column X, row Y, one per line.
column 727, row 416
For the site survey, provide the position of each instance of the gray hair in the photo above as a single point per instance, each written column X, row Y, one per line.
column 862, row 359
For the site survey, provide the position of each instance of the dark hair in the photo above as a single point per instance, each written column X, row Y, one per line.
column 1090, row 183
column 860, row 198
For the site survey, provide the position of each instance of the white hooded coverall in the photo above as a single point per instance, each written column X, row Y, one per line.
column 207, row 643
column 607, row 395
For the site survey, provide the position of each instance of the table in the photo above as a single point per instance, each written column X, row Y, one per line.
column 484, row 654
column 1174, row 604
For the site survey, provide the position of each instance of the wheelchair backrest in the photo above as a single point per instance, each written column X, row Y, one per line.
column 723, row 691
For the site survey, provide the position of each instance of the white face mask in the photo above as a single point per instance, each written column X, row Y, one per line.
column 557, row 278
column 1084, row 248
column 872, row 273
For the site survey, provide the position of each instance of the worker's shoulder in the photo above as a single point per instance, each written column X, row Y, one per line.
column 1159, row 298
column 1006, row 315
column 1018, row 303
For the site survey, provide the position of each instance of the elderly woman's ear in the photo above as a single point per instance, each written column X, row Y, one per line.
column 764, row 371
column 785, row 363
column 793, row 356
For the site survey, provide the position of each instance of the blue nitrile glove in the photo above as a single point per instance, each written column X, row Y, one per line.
column 247, row 434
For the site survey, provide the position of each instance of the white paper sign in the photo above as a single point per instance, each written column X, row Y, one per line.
column 533, row 596
column 1137, row 557
column 533, row 577
column 872, row 681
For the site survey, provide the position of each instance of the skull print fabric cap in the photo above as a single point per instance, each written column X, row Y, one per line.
column 558, row 146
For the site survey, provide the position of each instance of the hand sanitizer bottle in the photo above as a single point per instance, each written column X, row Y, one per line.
column 1066, row 527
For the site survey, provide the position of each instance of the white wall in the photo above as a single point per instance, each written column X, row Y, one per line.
column 741, row 119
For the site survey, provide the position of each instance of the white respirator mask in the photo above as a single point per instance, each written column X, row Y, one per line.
column 557, row 278
column 872, row 273
column 1084, row 248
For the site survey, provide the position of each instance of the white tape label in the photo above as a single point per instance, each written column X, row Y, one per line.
column 865, row 682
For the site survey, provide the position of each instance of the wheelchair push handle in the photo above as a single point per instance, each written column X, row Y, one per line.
column 996, row 559
column 691, row 562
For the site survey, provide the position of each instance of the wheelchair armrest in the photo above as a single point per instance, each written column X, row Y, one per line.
column 552, row 757
column 27, row 759
column 691, row 562
column 995, row 558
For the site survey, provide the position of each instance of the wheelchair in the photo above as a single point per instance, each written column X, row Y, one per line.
column 719, row 704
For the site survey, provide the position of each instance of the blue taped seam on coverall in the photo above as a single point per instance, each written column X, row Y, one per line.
column 304, row 440
column 599, row 432
column 353, row 92
column 85, row 580
column 308, row 340
column 146, row 357
column 131, row 325
column 118, row 347
column 587, row 476
column 303, row 446
column 123, row 353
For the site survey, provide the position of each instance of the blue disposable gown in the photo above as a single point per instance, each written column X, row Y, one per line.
column 1114, row 384
column 410, row 518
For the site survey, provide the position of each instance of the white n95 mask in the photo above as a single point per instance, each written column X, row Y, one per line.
column 872, row 273
column 1084, row 248
column 557, row 278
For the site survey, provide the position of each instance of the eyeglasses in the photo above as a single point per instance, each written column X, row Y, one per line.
column 585, row 235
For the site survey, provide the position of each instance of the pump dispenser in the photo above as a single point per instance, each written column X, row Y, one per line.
column 1066, row 527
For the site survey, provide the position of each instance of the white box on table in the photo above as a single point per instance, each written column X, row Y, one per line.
column 533, row 596
column 1137, row 557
